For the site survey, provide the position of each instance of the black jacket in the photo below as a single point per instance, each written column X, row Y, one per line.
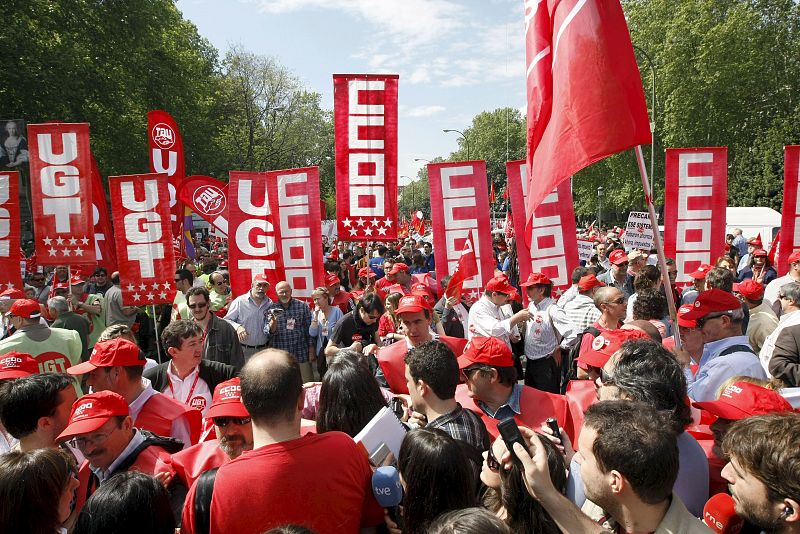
column 212, row 372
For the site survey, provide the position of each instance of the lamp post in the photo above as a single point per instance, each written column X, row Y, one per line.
column 653, row 110
column 459, row 132
column 599, row 208
column 411, row 186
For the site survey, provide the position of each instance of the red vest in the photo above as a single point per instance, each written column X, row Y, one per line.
column 536, row 406
column 160, row 411
column 190, row 463
column 580, row 395
column 392, row 360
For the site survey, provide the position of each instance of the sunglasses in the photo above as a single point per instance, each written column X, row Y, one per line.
column 200, row 305
column 703, row 320
column 620, row 300
column 606, row 378
column 222, row 422
column 491, row 461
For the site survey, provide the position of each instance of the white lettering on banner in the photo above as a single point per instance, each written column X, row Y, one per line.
column 5, row 217
column 457, row 229
column 97, row 235
column 796, row 240
column 547, row 245
column 255, row 237
column 143, row 227
column 169, row 170
column 299, row 272
column 693, row 243
column 60, row 182
column 364, row 183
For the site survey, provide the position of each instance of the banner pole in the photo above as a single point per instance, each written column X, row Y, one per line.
column 69, row 289
column 155, row 327
column 662, row 261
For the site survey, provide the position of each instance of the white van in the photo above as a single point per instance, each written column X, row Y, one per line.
column 754, row 221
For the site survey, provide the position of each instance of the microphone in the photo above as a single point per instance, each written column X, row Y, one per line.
column 719, row 515
column 387, row 490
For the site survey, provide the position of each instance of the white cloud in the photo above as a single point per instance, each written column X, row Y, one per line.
column 423, row 111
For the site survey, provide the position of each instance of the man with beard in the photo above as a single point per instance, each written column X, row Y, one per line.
column 288, row 327
column 234, row 436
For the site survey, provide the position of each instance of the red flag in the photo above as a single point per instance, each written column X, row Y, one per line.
column 466, row 268
column 417, row 222
column 774, row 247
column 208, row 198
column 790, row 215
column 166, row 156
column 585, row 98
column 492, row 197
column 11, row 255
column 505, row 193
column 509, row 226
column 103, row 231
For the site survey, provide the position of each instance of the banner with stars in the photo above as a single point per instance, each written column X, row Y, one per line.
column 10, row 275
column 554, row 242
column 145, row 259
column 61, row 193
column 365, row 124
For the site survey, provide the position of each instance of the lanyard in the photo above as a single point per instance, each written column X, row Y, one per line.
column 189, row 396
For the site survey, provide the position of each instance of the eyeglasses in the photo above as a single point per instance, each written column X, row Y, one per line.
column 469, row 370
column 37, row 279
column 178, row 280
column 606, row 378
column 782, row 296
column 222, row 422
column 491, row 461
column 81, row 442
column 703, row 320
column 620, row 300
column 200, row 305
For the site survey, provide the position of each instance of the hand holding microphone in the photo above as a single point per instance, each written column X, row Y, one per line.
column 719, row 515
column 388, row 491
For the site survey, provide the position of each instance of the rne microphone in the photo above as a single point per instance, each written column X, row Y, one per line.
column 719, row 515
column 387, row 490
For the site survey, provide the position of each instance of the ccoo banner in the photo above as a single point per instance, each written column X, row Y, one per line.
column 696, row 197
column 460, row 206
column 790, row 216
column 61, row 192
column 365, row 121
column 273, row 219
column 145, row 257
column 10, row 275
column 554, row 246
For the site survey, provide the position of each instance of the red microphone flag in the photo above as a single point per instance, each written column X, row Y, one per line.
column 585, row 97
column 466, row 268
column 10, row 272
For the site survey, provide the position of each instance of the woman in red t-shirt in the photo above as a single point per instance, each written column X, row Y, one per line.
column 388, row 325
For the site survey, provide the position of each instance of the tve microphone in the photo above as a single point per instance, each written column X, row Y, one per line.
column 387, row 489
column 719, row 515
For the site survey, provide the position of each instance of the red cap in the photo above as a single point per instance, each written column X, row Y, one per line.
column 227, row 400
column 60, row 285
column 500, row 284
column 332, row 279
column 760, row 252
column 412, row 304
column 756, row 242
column 397, row 267
column 12, row 294
column 617, row 256
column 421, row 288
column 713, row 300
column 366, row 272
column 682, row 321
column 743, row 399
column 486, row 350
column 606, row 344
column 76, row 280
column 260, row 278
column 92, row 411
column 701, row 272
column 111, row 353
column 27, row 308
column 794, row 257
column 363, row 244
column 588, row 282
column 17, row 364
column 750, row 289
column 536, row 279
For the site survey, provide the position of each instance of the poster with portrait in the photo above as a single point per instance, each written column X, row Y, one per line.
column 14, row 157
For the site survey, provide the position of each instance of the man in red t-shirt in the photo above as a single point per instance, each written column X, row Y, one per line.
column 322, row 482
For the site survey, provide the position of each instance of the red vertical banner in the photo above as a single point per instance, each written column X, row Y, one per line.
column 273, row 218
column 61, row 193
column 554, row 243
column 790, row 215
column 695, row 201
column 10, row 272
column 101, row 219
column 365, row 123
column 143, row 236
column 166, row 156
column 460, row 206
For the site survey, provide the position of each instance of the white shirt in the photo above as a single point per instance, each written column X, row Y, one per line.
column 180, row 426
column 540, row 335
column 488, row 320
column 765, row 355
column 7, row 441
column 192, row 391
column 772, row 291
column 568, row 295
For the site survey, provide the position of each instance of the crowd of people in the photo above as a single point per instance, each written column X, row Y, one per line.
column 531, row 409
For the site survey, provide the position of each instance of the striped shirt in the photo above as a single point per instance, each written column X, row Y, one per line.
column 581, row 312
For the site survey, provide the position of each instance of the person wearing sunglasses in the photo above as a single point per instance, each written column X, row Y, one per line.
column 184, row 281
column 220, row 343
column 727, row 352
column 618, row 275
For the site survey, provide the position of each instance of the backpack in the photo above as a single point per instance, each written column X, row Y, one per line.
column 568, row 365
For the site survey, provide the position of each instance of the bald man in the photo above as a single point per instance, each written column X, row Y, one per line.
column 289, row 320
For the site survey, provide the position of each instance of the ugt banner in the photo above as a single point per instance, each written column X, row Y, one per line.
column 10, row 275
column 208, row 198
column 790, row 216
column 365, row 123
column 101, row 218
column 554, row 244
column 273, row 218
column 144, row 239
column 460, row 206
column 695, row 201
column 61, row 193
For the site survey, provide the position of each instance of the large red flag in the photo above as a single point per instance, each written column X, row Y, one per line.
column 585, row 98
column 10, row 257
column 466, row 268
column 790, row 215
column 103, row 231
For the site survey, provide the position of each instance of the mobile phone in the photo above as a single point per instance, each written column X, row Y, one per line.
column 277, row 312
column 510, row 433
column 553, row 424
column 396, row 405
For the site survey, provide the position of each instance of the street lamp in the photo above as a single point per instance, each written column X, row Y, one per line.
column 653, row 112
column 459, row 132
column 599, row 208
column 411, row 186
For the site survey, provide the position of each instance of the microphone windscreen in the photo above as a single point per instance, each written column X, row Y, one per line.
column 386, row 486
column 719, row 515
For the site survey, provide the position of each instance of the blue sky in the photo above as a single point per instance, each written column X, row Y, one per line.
column 455, row 58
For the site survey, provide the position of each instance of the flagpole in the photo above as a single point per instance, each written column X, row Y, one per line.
column 155, row 327
column 662, row 261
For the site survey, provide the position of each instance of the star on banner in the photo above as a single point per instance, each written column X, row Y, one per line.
column 166, row 286
column 60, row 241
column 136, row 296
column 162, row 295
column 388, row 222
column 52, row 251
column 367, row 231
column 66, row 252
column 85, row 240
column 149, row 296
column 79, row 251
column 347, row 222
column 361, row 222
column 143, row 287
column 155, row 286
column 559, row 291
column 9, row 285
column 474, row 294
column 353, row 231
column 375, row 222
column 47, row 241
column 131, row 287
column 73, row 241
column 382, row 231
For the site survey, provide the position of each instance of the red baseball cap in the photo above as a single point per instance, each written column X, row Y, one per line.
column 412, row 304
column 17, row 364
column 227, row 400
column 760, row 252
column 27, row 308
column 92, row 411
column 397, row 267
column 12, row 294
column 701, row 272
column 794, row 257
column 366, row 272
column 756, row 241
column 606, row 344
column 750, row 289
column 60, row 285
column 743, row 399
column 713, row 300
column 682, row 320
column 536, row 279
column 260, row 278
column 617, row 256
column 420, row 288
column 332, row 279
column 588, row 282
column 486, row 350
column 76, row 280
column 500, row 284
column 111, row 353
